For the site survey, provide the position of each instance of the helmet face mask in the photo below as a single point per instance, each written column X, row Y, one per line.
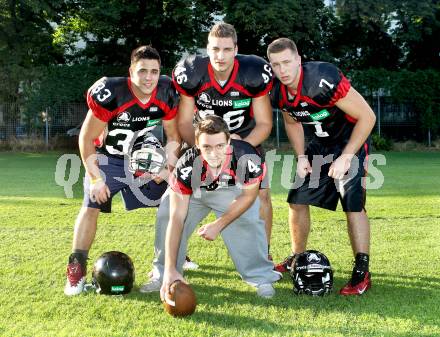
column 113, row 274
column 311, row 274
column 147, row 156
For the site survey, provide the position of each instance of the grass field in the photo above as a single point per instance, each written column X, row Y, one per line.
column 36, row 222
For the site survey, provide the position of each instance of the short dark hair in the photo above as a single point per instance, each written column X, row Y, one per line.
column 224, row 30
column 212, row 125
column 144, row 52
column 280, row 45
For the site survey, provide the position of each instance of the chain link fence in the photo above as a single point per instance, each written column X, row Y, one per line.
column 59, row 126
column 395, row 121
column 56, row 126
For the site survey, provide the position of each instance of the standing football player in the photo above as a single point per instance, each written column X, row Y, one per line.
column 234, row 87
column 220, row 175
column 316, row 98
column 121, row 111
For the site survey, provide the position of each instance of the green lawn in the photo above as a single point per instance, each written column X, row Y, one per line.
column 36, row 232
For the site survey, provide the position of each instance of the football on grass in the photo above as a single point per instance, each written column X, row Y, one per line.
column 181, row 300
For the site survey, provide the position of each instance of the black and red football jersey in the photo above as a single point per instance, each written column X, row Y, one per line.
column 112, row 100
column 243, row 166
column 251, row 77
column 320, row 86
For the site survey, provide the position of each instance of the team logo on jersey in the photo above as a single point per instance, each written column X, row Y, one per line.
column 153, row 109
column 301, row 113
column 313, row 258
column 153, row 122
column 124, row 117
column 320, row 115
column 235, row 93
column 220, row 102
column 204, row 98
column 140, row 119
column 242, row 103
column 303, row 104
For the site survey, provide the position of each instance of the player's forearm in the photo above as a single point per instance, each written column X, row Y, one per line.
column 259, row 134
column 173, row 151
column 179, row 205
column 185, row 117
column 89, row 158
column 186, row 130
column 172, row 242
column 295, row 133
column 236, row 209
column 360, row 133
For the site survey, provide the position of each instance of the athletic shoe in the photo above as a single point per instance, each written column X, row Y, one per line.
column 284, row 267
column 266, row 290
column 76, row 277
column 151, row 286
column 189, row 265
column 359, row 287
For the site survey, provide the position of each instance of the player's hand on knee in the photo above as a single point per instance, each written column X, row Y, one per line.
column 161, row 176
column 99, row 192
column 303, row 167
column 209, row 231
column 169, row 277
column 340, row 166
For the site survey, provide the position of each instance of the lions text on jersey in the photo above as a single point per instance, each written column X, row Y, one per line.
column 320, row 86
column 251, row 77
column 243, row 166
column 113, row 101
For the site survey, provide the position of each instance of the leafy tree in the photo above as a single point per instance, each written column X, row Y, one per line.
column 259, row 23
column 421, row 88
column 25, row 46
column 25, row 43
column 363, row 38
column 417, row 32
column 110, row 29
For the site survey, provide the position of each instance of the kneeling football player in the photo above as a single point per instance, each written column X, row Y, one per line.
column 222, row 175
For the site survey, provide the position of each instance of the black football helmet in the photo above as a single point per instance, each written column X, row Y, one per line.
column 113, row 274
column 311, row 274
column 147, row 156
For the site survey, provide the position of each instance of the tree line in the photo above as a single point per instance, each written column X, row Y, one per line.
column 51, row 51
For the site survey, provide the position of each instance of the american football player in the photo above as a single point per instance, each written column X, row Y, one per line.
column 317, row 99
column 122, row 110
column 232, row 86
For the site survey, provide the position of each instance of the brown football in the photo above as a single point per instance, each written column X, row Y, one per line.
column 181, row 300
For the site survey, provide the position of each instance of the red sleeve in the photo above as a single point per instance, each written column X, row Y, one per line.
column 171, row 114
column 342, row 90
column 98, row 111
column 178, row 186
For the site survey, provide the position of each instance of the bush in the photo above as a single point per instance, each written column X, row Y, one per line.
column 38, row 144
column 381, row 143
